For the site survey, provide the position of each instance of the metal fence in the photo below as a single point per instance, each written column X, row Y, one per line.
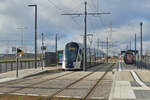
column 10, row 66
column 144, row 64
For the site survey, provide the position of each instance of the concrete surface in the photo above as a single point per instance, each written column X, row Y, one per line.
column 80, row 89
column 48, row 84
column 130, row 84
column 125, row 76
column 123, row 90
column 126, row 85
column 144, row 75
column 11, row 75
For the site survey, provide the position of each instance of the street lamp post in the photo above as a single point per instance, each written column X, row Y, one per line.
column 35, row 6
column 141, row 23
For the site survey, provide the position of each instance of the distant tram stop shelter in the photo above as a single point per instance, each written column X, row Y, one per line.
column 50, row 58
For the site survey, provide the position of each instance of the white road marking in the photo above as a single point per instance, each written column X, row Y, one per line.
column 7, row 79
column 140, row 88
column 26, row 94
column 119, row 66
column 138, row 80
column 79, row 97
column 96, row 98
column 123, row 90
column 113, row 86
column 69, row 96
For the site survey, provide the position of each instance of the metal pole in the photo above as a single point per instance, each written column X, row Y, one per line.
column 21, row 39
column 17, row 63
column 98, row 49
column 42, row 53
column 84, row 63
column 130, row 44
column 141, row 23
column 127, row 47
column 56, row 51
column 94, row 56
column 35, row 36
column 107, row 49
column 135, row 49
column 102, row 49
column 35, row 6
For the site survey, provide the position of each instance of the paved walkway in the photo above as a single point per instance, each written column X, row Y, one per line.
column 128, row 85
column 11, row 75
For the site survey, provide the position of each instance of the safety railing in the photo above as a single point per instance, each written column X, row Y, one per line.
column 10, row 66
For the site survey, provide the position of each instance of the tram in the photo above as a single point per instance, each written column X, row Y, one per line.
column 73, row 56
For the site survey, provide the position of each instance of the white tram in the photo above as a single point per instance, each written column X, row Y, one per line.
column 73, row 56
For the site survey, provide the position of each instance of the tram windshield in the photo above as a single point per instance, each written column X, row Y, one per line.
column 71, row 52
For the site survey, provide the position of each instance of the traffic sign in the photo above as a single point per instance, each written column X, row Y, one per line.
column 21, row 52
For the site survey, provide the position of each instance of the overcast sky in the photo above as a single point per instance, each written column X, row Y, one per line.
column 125, row 18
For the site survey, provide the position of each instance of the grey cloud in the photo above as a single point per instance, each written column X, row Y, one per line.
column 50, row 20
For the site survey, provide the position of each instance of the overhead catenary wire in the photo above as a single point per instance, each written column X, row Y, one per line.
column 96, row 7
column 101, row 20
column 62, row 11
column 74, row 20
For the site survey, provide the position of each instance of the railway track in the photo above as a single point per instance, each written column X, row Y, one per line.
column 96, row 84
column 56, row 97
column 36, row 83
column 6, row 84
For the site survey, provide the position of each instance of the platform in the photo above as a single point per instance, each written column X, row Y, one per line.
column 102, row 82
column 131, row 84
column 11, row 75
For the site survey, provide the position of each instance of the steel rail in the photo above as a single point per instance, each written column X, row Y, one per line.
column 25, row 79
column 38, row 83
column 71, row 84
column 96, row 84
column 13, row 91
column 20, row 80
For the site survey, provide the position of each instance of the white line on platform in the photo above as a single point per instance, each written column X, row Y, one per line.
column 136, row 78
column 119, row 66
column 79, row 97
column 26, row 94
column 69, row 96
column 140, row 88
column 7, row 79
column 96, row 98
column 123, row 90
column 113, row 86
column 2, row 93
